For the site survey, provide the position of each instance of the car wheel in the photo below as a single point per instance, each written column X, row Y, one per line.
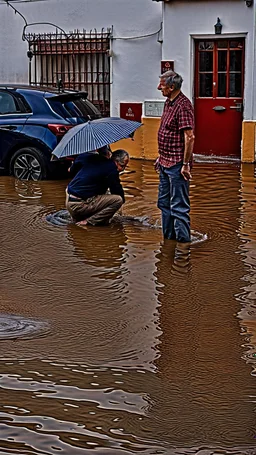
column 28, row 164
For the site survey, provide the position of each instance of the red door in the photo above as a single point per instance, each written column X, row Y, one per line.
column 219, row 80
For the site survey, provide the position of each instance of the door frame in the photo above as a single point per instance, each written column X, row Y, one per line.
column 214, row 37
column 196, row 37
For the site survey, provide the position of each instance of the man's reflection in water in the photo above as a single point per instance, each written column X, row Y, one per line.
column 174, row 257
column 181, row 260
column 102, row 248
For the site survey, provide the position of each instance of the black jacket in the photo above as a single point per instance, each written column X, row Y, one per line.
column 94, row 175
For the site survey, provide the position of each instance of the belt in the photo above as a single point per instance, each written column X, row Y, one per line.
column 72, row 198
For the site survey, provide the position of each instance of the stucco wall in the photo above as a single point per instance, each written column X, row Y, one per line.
column 135, row 63
column 185, row 19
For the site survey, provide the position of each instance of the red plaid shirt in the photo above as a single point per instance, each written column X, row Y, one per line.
column 177, row 116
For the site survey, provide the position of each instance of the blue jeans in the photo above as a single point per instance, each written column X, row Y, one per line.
column 173, row 201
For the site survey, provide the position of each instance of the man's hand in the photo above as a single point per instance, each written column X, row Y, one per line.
column 157, row 165
column 185, row 171
column 72, row 162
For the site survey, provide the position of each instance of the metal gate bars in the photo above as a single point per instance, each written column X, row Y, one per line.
column 78, row 61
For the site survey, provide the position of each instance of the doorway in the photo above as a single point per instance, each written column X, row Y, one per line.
column 219, row 83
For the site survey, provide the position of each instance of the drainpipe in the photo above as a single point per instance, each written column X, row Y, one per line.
column 162, row 31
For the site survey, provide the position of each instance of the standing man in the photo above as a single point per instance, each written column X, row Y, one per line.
column 87, row 199
column 175, row 148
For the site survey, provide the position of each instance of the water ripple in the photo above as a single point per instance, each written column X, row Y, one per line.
column 13, row 326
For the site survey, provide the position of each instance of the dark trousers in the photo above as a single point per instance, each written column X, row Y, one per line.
column 173, row 201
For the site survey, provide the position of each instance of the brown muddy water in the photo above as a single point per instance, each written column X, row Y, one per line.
column 114, row 343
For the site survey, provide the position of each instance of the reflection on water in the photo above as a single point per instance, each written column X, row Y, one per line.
column 143, row 351
column 247, row 249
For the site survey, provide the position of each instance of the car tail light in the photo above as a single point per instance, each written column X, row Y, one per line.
column 58, row 129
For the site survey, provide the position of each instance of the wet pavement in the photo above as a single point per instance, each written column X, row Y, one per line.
column 113, row 342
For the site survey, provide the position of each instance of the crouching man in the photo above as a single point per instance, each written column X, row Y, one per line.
column 88, row 199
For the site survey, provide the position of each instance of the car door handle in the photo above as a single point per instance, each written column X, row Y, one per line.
column 219, row 108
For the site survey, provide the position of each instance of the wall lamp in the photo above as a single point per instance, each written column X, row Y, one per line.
column 30, row 55
column 218, row 27
column 248, row 2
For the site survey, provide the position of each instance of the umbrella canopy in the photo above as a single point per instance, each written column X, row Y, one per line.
column 93, row 135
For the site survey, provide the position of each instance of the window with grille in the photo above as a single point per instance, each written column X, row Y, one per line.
column 77, row 61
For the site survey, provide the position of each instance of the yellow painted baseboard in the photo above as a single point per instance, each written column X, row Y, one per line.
column 144, row 145
column 248, row 141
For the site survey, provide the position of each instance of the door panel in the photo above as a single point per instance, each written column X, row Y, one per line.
column 219, row 79
column 12, row 119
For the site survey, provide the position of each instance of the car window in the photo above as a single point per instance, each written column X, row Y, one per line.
column 8, row 104
column 79, row 109
column 23, row 104
column 84, row 108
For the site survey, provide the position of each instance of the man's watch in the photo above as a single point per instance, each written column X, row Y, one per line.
column 185, row 164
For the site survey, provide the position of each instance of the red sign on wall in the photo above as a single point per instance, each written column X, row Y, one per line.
column 167, row 65
column 131, row 111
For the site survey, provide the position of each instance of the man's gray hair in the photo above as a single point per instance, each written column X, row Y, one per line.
column 172, row 79
column 120, row 156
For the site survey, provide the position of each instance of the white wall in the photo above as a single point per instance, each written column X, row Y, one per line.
column 136, row 63
column 183, row 19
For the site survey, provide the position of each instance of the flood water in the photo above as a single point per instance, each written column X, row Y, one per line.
column 113, row 342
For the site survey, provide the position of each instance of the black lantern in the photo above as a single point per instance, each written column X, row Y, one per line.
column 218, row 27
column 30, row 55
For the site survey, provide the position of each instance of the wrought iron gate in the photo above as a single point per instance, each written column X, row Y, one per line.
column 78, row 61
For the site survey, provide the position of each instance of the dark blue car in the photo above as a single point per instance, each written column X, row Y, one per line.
column 32, row 122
